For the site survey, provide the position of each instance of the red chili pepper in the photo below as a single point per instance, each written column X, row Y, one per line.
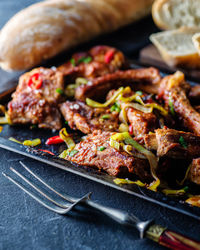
column 35, row 80
column 46, row 151
column 130, row 129
column 54, row 140
column 109, row 55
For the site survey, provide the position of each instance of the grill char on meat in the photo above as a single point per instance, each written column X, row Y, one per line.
column 86, row 119
column 101, row 85
column 98, row 66
column 167, row 142
column 114, row 162
column 31, row 105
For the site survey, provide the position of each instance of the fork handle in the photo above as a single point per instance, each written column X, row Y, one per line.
column 154, row 232
column 178, row 241
column 171, row 239
column 115, row 214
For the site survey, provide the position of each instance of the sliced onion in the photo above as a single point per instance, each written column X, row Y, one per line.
column 95, row 104
column 114, row 144
column 64, row 154
column 186, row 176
column 123, row 127
column 5, row 119
column 13, row 139
column 174, row 191
column 119, row 181
column 129, row 150
column 32, row 143
column 70, row 89
column 153, row 161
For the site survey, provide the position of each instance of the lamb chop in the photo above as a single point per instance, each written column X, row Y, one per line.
column 98, row 61
column 95, row 151
column 36, row 99
column 86, row 119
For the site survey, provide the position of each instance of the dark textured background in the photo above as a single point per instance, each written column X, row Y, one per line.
column 25, row 224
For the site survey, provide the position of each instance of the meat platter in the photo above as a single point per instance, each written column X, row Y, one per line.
column 97, row 116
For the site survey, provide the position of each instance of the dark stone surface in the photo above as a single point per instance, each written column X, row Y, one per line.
column 25, row 224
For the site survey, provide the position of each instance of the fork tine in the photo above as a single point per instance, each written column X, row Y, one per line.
column 38, row 199
column 39, row 190
column 66, row 197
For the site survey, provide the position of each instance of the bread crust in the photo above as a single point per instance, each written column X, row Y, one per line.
column 156, row 11
column 190, row 60
column 173, row 14
column 44, row 29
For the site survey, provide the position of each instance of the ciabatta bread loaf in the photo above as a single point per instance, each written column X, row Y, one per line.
column 176, row 47
column 45, row 29
column 173, row 14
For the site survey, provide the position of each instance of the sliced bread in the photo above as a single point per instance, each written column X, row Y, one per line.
column 176, row 47
column 196, row 41
column 173, row 14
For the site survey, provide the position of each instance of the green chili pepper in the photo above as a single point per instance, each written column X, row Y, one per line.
column 182, row 142
column 72, row 61
column 105, row 117
column 101, row 148
column 73, row 152
column 59, row 91
column 171, row 106
column 85, row 59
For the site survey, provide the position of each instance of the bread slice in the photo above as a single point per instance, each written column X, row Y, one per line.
column 196, row 42
column 173, row 14
column 176, row 47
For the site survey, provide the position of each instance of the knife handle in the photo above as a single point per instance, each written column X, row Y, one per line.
column 171, row 239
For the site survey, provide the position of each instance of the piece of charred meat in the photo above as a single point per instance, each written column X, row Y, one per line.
column 101, row 85
column 36, row 99
column 173, row 143
column 86, row 119
column 141, row 123
column 95, row 151
column 174, row 91
column 194, row 172
column 98, row 61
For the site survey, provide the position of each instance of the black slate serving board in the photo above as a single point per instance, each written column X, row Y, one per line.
column 21, row 133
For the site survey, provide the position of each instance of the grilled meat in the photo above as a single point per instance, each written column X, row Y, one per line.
column 86, row 119
column 101, row 85
column 109, row 159
column 173, row 143
column 174, row 91
column 194, row 172
column 35, row 100
column 142, row 123
column 98, row 61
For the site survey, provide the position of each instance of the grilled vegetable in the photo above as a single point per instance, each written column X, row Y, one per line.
column 67, row 138
column 94, row 104
column 128, row 140
column 54, row 140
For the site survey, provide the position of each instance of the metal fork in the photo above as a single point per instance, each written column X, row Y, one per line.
column 68, row 203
